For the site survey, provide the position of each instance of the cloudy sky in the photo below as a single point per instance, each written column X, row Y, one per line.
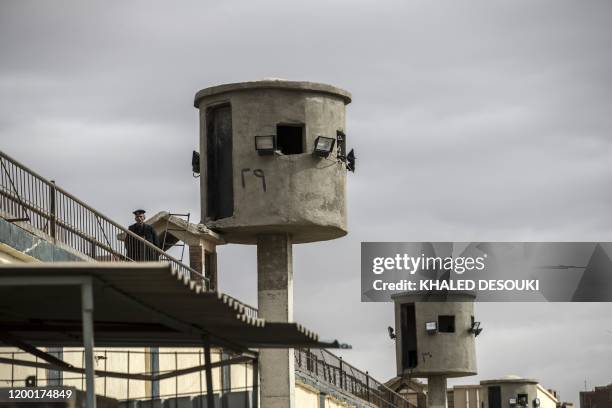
column 472, row 121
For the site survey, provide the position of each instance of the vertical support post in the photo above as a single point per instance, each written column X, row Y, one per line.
column 210, row 396
column 322, row 398
column 368, row 385
column 52, row 209
column 87, row 306
column 210, row 259
column 128, row 371
column 275, row 304
column 436, row 391
column 154, row 370
column 12, row 370
column 341, row 374
column 205, row 262
column 255, row 392
column 226, row 377
column 176, row 379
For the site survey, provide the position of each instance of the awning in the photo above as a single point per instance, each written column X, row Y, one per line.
column 135, row 304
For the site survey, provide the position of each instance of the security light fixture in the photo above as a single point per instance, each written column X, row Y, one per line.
column 512, row 402
column 392, row 334
column 195, row 163
column 323, row 146
column 265, row 145
column 476, row 329
column 536, row 402
column 431, row 327
column 350, row 161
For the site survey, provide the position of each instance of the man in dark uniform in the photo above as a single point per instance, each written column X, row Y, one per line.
column 137, row 250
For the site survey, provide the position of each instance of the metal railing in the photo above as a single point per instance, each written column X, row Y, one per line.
column 132, row 361
column 26, row 197
column 327, row 367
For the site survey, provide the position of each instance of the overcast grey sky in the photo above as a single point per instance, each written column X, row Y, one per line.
column 472, row 121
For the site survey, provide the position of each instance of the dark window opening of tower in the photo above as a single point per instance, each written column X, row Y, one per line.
column 289, row 139
column 409, row 340
column 446, row 324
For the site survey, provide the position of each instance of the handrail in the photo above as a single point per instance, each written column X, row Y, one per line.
column 59, row 214
column 328, row 367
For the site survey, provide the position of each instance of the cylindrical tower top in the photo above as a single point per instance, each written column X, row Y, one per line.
column 273, row 83
column 274, row 159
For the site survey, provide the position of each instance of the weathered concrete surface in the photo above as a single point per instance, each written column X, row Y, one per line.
column 510, row 387
column 273, row 84
column 304, row 195
column 275, row 303
column 436, row 392
column 34, row 246
column 448, row 354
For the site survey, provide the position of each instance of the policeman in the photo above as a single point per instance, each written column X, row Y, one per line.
column 136, row 250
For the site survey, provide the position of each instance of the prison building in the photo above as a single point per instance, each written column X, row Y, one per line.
column 599, row 397
column 510, row 391
column 507, row 392
column 163, row 333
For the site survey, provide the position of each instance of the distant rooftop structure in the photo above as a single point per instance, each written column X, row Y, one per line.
column 598, row 397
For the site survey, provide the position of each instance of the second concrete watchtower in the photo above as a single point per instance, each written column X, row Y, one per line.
column 436, row 339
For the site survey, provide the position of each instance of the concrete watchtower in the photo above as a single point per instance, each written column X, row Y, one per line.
column 274, row 174
column 435, row 339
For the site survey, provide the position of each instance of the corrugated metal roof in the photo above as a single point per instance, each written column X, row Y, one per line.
column 136, row 304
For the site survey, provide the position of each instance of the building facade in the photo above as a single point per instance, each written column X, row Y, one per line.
column 599, row 397
column 37, row 230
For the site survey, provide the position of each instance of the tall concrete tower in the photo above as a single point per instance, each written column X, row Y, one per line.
column 273, row 175
column 435, row 339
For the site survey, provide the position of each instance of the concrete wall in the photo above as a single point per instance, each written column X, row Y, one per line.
column 304, row 195
column 310, row 397
column 9, row 255
column 477, row 396
column 547, row 400
column 511, row 387
column 34, row 244
column 467, row 396
column 306, row 397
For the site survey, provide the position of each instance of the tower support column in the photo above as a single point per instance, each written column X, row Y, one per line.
column 436, row 391
column 275, row 304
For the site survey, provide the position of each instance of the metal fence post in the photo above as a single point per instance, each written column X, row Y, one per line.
column 341, row 375
column 52, row 209
column 368, row 385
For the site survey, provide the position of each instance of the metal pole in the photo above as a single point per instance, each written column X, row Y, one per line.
column 368, row 385
column 52, row 210
column 255, row 392
column 88, row 340
column 155, row 370
column 341, row 375
column 210, row 400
